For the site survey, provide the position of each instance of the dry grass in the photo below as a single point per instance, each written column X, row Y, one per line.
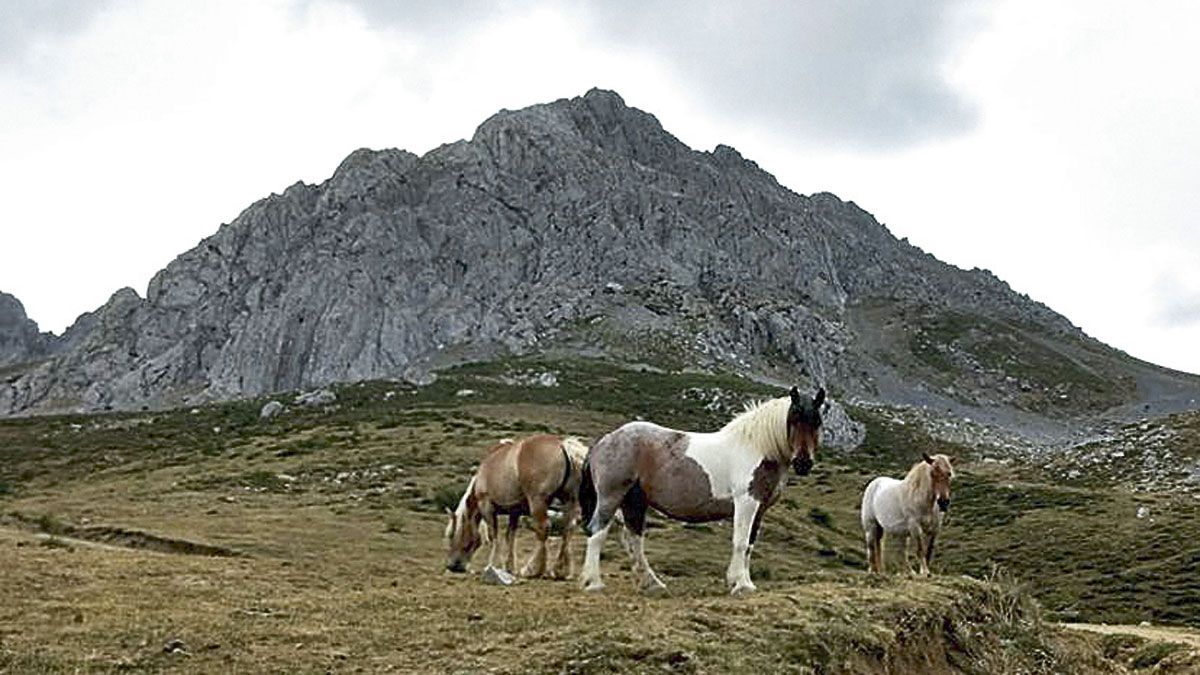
column 333, row 521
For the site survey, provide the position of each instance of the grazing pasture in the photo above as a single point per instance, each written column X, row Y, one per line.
column 208, row 541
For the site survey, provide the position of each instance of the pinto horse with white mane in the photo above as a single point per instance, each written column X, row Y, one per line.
column 911, row 508
column 737, row 473
column 518, row 478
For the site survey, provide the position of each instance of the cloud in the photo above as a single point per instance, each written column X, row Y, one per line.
column 432, row 20
column 24, row 23
column 1178, row 302
column 1180, row 311
column 868, row 75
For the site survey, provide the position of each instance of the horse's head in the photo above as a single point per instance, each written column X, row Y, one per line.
column 803, row 429
column 940, row 474
column 463, row 538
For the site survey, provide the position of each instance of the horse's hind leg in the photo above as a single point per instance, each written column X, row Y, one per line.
column 606, row 507
column 538, row 510
column 562, row 566
column 633, row 510
column 589, row 577
column 874, row 537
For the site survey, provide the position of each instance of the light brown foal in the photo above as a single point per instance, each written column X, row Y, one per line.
column 521, row 477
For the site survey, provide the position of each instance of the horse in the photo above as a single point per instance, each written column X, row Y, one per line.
column 911, row 508
column 737, row 473
column 515, row 478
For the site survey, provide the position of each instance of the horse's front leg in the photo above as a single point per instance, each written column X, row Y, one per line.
column 489, row 516
column 903, row 539
column 539, row 511
column 745, row 509
column 510, row 537
column 562, row 566
column 917, row 534
column 928, row 557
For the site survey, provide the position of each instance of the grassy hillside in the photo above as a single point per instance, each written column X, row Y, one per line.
column 981, row 360
column 206, row 540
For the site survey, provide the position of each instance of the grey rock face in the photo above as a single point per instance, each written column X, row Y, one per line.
column 316, row 399
column 20, row 339
column 838, row 430
column 579, row 226
column 269, row 410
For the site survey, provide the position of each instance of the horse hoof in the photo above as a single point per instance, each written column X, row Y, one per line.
column 743, row 589
column 498, row 577
column 593, row 587
column 657, row 588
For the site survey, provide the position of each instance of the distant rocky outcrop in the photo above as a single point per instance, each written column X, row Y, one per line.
column 20, row 339
column 574, row 227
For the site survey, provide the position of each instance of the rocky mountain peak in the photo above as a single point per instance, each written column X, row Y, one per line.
column 579, row 226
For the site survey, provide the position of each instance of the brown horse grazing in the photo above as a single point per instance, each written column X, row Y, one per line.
column 910, row 508
column 519, row 478
column 736, row 472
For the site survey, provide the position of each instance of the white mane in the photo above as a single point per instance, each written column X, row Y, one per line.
column 460, row 512
column 919, row 479
column 763, row 426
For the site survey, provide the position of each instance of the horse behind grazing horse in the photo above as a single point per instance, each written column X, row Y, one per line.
column 697, row 477
column 913, row 507
column 517, row 478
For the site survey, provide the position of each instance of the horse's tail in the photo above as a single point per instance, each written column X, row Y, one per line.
column 587, row 495
column 576, row 450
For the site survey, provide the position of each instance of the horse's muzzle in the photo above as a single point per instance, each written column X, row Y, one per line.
column 802, row 465
column 456, row 566
column 943, row 503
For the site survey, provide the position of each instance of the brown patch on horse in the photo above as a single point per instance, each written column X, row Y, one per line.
column 654, row 460
column 764, row 485
column 662, row 461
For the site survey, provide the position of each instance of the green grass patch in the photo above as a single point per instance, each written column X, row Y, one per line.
column 1149, row 655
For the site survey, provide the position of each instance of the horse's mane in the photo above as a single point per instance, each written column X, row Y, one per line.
column 763, row 426
column 459, row 518
column 919, row 480
column 461, row 511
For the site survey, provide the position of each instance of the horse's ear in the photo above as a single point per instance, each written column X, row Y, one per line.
column 819, row 398
column 925, row 456
column 795, row 394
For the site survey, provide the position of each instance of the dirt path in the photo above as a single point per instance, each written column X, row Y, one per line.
column 1185, row 636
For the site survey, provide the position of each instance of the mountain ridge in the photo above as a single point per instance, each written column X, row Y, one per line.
column 576, row 226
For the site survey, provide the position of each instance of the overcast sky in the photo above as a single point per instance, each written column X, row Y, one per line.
column 1056, row 144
